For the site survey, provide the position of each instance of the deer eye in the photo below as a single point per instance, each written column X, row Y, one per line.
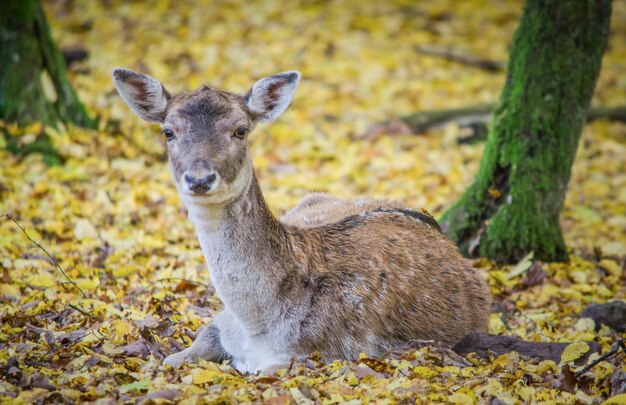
column 169, row 134
column 241, row 132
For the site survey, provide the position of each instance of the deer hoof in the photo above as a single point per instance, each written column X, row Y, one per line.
column 176, row 360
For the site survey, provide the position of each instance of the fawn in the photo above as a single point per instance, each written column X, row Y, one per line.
column 333, row 275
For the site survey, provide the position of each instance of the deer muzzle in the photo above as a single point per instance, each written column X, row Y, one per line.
column 200, row 177
column 200, row 186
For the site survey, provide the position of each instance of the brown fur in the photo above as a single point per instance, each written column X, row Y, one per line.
column 323, row 209
column 371, row 280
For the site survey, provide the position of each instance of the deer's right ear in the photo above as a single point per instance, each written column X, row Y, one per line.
column 145, row 95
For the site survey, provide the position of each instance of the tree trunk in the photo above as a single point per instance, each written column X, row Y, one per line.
column 514, row 204
column 33, row 83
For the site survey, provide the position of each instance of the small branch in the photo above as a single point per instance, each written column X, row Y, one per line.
column 481, row 115
column 483, row 344
column 466, row 59
column 48, row 254
column 610, row 113
column 424, row 120
column 74, row 307
column 143, row 290
column 615, row 348
column 38, row 257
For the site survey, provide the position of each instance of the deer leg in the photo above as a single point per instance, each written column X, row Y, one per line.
column 207, row 346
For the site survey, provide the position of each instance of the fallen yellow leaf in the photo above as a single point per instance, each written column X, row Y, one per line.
column 202, row 376
column 573, row 352
column 522, row 266
column 619, row 399
column 460, row 398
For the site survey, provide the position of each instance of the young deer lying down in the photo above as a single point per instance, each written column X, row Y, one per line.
column 333, row 275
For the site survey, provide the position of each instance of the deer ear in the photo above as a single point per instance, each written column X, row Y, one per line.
column 145, row 95
column 270, row 96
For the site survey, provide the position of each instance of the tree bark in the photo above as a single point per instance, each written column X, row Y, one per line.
column 513, row 207
column 484, row 343
column 33, row 82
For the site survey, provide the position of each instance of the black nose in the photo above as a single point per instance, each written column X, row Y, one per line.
column 200, row 186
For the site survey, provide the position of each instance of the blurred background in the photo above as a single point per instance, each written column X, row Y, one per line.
column 362, row 62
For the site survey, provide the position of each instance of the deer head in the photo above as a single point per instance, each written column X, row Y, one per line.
column 207, row 129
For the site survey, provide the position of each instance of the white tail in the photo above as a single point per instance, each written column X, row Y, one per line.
column 334, row 276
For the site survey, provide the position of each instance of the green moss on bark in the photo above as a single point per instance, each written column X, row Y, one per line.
column 29, row 53
column 514, row 205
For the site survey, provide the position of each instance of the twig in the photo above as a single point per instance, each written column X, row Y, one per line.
column 38, row 257
column 476, row 115
column 143, row 290
column 620, row 344
column 466, row 59
column 74, row 307
column 48, row 254
column 93, row 332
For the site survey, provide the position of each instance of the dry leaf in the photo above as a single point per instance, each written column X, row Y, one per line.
column 573, row 352
column 112, row 218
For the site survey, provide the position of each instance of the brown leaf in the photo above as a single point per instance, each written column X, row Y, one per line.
column 92, row 362
column 280, row 400
column 451, row 358
column 168, row 395
column 202, row 311
column 363, row 371
column 398, row 127
column 618, row 382
column 184, row 286
column 151, row 342
column 567, row 380
column 175, row 344
column 137, row 349
column 393, row 127
column 266, row 380
column 11, row 372
column 164, row 328
column 535, row 275
column 376, row 365
column 149, row 321
column 41, row 381
column 71, row 337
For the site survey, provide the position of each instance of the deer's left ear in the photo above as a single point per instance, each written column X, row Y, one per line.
column 270, row 96
column 144, row 94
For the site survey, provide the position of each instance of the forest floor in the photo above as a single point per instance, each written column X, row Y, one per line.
column 111, row 217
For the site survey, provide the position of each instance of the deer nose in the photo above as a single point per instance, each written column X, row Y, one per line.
column 200, row 186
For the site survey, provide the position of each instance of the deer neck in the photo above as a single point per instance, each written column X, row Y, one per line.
column 245, row 249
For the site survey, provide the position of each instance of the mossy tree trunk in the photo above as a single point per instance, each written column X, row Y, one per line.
column 514, row 205
column 33, row 82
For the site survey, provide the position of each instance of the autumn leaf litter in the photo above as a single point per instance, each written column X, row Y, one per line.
column 111, row 217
